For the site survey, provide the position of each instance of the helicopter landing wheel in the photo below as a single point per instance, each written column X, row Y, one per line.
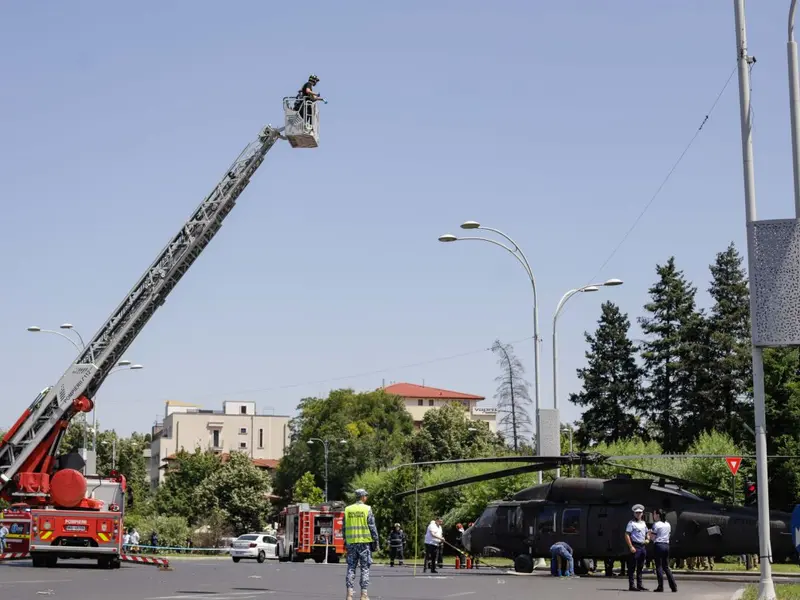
column 582, row 566
column 523, row 564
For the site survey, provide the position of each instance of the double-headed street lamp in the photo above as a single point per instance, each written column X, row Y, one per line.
column 325, row 444
column 517, row 253
column 123, row 365
column 586, row 288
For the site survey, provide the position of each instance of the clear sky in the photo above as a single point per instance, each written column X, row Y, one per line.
column 553, row 121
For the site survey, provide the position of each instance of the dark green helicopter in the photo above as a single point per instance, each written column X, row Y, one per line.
column 591, row 514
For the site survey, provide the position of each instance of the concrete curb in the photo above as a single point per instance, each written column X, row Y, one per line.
column 737, row 594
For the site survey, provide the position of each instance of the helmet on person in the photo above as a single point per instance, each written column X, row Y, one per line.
column 313, row 79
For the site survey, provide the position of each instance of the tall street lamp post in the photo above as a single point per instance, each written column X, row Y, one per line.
column 586, row 288
column 517, row 253
column 325, row 444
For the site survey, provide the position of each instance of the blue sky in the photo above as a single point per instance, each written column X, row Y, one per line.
column 553, row 121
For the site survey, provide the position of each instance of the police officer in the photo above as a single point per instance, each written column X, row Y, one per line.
column 360, row 539
column 660, row 535
column 397, row 540
column 636, row 536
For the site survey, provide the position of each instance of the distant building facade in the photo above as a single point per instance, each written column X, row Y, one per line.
column 419, row 399
column 236, row 428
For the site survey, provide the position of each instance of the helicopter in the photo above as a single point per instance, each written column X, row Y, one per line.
column 591, row 514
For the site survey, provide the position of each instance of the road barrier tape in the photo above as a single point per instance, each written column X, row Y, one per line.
column 182, row 549
column 14, row 555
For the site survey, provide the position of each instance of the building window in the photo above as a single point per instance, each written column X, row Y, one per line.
column 430, row 402
column 215, row 438
column 243, row 410
column 243, row 445
column 243, row 431
column 420, row 402
column 260, row 438
column 571, row 521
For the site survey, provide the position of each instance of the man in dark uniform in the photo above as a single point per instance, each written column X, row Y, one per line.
column 305, row 97
column 397, row 539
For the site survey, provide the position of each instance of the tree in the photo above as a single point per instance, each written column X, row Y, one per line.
column 187, row 472
column 305, row 490
column 713, row 472
column 447, row 433
column 240, row 490
column 612, row 381
column 672, row 383
column 512, row 396
column 375, row 425
column 730, row 342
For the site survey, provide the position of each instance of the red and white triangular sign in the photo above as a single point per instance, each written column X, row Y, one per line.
column 734, row 462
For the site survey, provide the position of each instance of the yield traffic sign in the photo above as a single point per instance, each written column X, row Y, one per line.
column 734, row 462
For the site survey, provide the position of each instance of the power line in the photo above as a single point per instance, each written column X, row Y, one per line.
column 666, row 179
column 357, row 375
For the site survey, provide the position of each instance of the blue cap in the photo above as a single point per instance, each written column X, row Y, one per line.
column 361, row 492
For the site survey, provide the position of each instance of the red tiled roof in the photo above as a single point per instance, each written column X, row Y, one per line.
column 264, row 463
column 411, row 390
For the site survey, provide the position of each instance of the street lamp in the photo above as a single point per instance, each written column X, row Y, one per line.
column 122, row 365
column 325, row 444
column 517, row 253
column 586, row 288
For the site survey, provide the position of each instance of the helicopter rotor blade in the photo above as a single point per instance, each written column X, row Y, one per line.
column 478, row 478
column 487, row 459
column 682, row 482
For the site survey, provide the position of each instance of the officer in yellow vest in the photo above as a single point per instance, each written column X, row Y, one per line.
column 360, row 539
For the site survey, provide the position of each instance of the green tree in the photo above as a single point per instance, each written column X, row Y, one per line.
column 713, row 472
column 240, row 490
column 375, row 426
column 186, row 473
column 513, row 399
column 730, row 344
column 612, row 381
column 446, row 433
column 305, row 490
column 672, row 316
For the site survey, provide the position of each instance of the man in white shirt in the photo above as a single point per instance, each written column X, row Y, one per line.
column 660, row 533
column 636, row 537
column 433, row 539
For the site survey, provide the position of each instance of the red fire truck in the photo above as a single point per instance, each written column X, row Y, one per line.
column 306, row 531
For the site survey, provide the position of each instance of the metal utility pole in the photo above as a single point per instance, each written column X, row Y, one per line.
column 325, row 445
column 766, row 586
column 794, row 106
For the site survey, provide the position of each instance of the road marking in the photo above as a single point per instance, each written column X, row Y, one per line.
column 222, row 596
column 12, row 582
column 459, row 594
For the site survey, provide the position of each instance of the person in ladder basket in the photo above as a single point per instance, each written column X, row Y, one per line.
column 305, row 96
column 360, row 539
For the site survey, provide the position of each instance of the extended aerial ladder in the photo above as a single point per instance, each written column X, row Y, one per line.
column 29, row 450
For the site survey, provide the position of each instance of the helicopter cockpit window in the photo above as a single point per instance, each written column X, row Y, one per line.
column 487, row 518
column 571, row 521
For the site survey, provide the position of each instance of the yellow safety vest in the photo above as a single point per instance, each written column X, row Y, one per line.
column 356, row 530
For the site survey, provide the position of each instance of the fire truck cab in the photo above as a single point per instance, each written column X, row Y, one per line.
column 306, row 531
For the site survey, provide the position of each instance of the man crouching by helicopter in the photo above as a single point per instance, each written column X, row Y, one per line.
column 558, row 551
column 636, row 536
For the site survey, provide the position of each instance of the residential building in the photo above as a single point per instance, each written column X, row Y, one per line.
column 419, row 399
column 236, row 428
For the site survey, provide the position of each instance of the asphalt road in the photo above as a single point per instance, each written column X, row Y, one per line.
column 223, row 580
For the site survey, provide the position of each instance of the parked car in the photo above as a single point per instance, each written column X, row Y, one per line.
column 260, row 546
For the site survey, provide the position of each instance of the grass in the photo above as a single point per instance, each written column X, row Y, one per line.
column 788, row 591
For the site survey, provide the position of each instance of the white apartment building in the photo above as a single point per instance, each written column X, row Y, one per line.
column 236, row 428
column 419, row 399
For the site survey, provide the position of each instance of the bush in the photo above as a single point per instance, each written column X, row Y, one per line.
column 172, row 531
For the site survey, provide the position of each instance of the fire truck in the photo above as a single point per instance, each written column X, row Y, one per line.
column 311, row 531
column 65, row 513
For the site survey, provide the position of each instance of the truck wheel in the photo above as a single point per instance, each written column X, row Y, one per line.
column 38, row 561
column 261, row 556
column 236, row 559
column 52, row 561
column 523, row 564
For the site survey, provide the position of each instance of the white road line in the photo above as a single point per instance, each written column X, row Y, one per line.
column 12, row 582
column 459, row 594
column 222, row 596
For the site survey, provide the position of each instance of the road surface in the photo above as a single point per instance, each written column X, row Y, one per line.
column 216, row 579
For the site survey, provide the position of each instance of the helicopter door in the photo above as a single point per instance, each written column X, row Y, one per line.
column 572, row 528
column 546, row 535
